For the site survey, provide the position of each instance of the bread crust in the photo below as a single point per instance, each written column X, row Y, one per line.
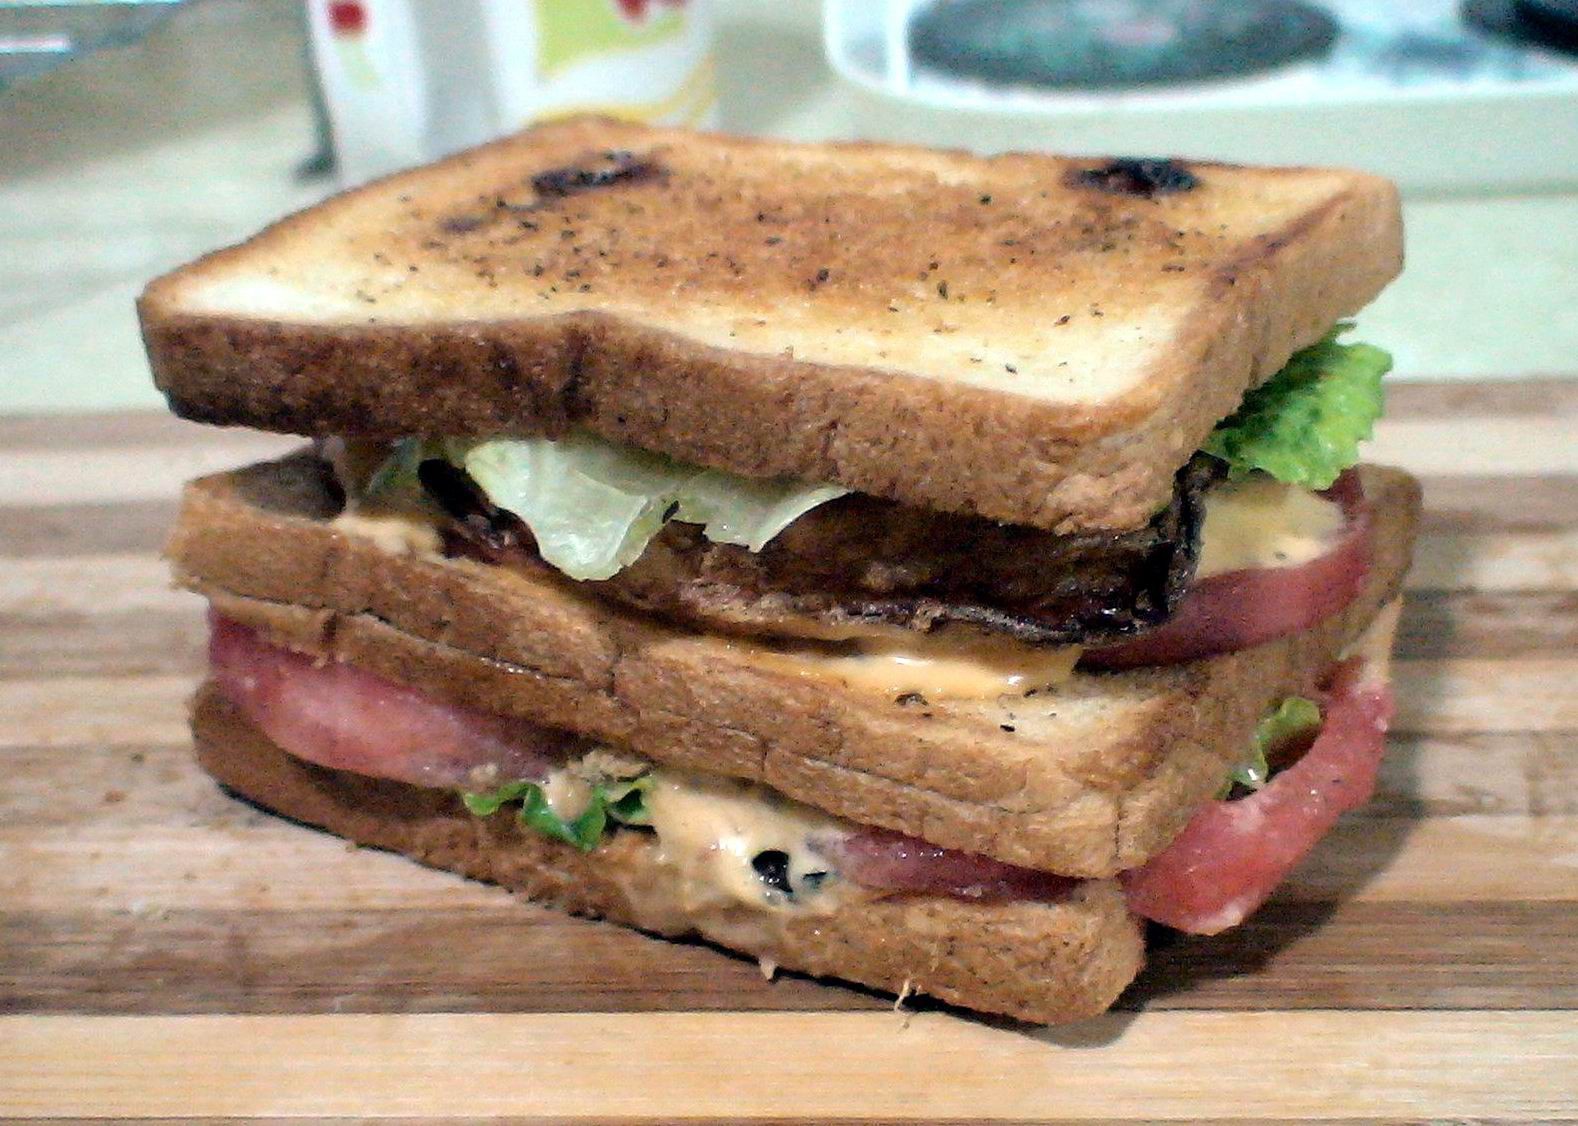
column 1041, row 962
column 1088, row 779
column 974, row 335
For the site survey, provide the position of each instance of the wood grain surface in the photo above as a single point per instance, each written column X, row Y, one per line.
column 168, row 952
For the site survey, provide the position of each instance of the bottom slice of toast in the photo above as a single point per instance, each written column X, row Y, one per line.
column 1046, row 962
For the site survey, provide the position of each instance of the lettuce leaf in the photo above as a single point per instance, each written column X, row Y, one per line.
column 1303, row 426
column 1289, row 720
column 623, row 802
column 746, row 511
column 626, row 801
column 396, row 474
column 593, row 506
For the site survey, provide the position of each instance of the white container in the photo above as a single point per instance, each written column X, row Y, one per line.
column 406, row 81
column 1507, row 118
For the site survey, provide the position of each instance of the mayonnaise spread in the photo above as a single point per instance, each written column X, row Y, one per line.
column 933, row 667
column 1261, row 522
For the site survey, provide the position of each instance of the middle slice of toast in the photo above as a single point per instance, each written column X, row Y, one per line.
column 1088, row 778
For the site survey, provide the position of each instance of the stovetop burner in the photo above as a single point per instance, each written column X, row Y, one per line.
column 1093, row 44
column 1552, row 23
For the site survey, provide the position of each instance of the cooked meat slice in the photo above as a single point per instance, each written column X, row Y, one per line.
column 858, row 564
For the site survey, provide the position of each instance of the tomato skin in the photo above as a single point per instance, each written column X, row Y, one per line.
column 1224, row 864
column 888, row 861
column 345, row 718
column 1239, row 609
column 1233, row 854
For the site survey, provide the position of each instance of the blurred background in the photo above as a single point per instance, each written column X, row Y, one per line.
column 136, row 136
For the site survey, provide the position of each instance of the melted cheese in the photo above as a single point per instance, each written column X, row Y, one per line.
column 979, row 670
column 710, row 829
column 1260, row 522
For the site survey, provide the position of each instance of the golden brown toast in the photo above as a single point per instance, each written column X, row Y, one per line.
column 1041, row 340
column 1039, row 961
column 1088, row 779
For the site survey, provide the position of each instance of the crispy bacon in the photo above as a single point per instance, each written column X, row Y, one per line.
column 859, row 564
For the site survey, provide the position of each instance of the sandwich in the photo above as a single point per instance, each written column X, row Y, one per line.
column 899, row 566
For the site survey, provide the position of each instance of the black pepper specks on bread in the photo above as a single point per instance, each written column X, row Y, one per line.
column 1041, row 962
column 1087, row 779
column 1041, row 340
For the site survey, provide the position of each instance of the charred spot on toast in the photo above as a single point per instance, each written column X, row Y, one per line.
column 1144, row 177
column 589, row 172
column 596, row 170
column 460, row 224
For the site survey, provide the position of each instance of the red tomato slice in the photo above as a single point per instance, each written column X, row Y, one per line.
column 1238, row 609
column 342, row 717
column 1233, row 854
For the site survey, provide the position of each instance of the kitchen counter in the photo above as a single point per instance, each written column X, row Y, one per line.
column 132, row 161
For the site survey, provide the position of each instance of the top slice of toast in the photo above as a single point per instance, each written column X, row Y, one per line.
column 1042, row 340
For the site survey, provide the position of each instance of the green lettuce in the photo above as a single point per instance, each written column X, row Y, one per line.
column 397, row 473
column 1294, row 718
column 593, row 506
column 1303, row 426
column 623, row 802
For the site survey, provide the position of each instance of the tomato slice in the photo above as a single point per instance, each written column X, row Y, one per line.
column 888, row 861
column 1220, row 868
column 1239, row 609
column 1233, row 854
column 345, row 718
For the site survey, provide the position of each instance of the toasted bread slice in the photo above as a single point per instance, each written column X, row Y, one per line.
column 1041, row 340
column 1087, row 779
column 1039, row 961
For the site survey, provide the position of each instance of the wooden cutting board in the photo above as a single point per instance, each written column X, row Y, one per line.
column 166, row 951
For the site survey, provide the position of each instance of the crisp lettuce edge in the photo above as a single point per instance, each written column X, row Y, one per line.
column 1304, row 425
column 1292, row 718
column 593, row 506
column 622, row 802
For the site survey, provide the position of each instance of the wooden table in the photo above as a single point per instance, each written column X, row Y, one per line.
column 167, row 951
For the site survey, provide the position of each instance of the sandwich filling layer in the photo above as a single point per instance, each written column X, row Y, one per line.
column 764, row 559
column 793, row 560
column 743, row 845
column 1275, row 559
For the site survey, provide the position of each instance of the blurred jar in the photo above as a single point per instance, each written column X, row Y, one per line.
column 406, row 81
